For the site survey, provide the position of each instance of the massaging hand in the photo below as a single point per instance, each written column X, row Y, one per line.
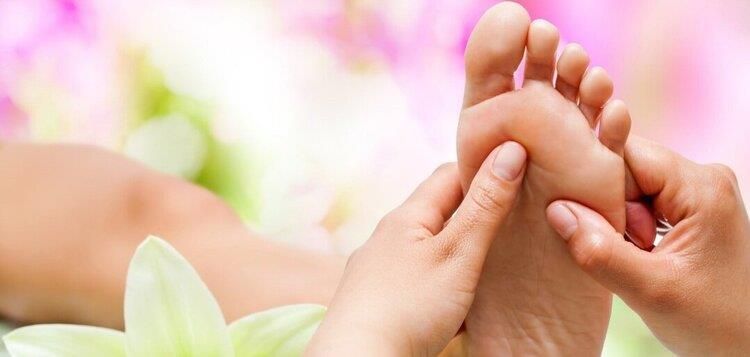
column 693, row 289
column 409, row 288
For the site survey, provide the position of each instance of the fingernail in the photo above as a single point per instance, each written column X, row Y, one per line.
column 509, row 161
column 562, row 220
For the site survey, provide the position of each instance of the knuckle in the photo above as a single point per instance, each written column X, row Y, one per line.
column 445, row 251
column 593, row 255
column 724, row 174
column 724, row 183
column 489, row 196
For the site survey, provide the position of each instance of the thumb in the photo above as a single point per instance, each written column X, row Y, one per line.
column 489, row 200
column 604, row 254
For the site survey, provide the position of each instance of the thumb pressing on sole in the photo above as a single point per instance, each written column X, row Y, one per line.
column 603, row 253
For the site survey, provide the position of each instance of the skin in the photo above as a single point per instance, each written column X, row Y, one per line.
column 72, row 216
column 532, row 297
column 407, row 290
column 687, row 299
column 691, row 290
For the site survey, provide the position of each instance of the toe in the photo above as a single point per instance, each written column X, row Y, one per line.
column 494, row 51
column 595, row 90
column 570, row 69
column 615, row 126
column 542, row 44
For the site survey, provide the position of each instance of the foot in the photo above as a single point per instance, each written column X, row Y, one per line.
column 532, row 298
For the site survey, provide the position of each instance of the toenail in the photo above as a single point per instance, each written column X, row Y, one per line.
column 509, row 161
column 562, row 219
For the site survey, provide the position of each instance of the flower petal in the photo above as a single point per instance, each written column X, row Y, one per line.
column 65, row 341
column 169, row 311
column 3, row 330
column 283, row 331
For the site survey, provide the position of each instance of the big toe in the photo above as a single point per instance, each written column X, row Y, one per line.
column 494, row 51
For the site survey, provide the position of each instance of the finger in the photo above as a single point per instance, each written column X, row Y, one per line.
column 435, row 200
column 632, row 191
column 490, row 198
column 665, row 176
column 641, row 224
column 604, row 254
column 651, row 165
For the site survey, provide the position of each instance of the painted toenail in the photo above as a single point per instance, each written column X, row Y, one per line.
column 509, row 161
column 562, row 219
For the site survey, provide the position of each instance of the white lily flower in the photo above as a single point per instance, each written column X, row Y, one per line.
column 65, row 340
column 3, row 330
column 169, row 311
column 282, row 331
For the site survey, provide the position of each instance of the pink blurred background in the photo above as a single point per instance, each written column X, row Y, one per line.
column 314, row 118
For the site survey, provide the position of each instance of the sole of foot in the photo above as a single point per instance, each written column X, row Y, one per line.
column 532, row 297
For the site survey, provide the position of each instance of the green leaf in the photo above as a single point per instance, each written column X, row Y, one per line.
column 169, row 311
column 65, row 341
column 279, row 332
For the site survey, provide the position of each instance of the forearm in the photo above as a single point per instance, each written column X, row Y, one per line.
column 70, row 220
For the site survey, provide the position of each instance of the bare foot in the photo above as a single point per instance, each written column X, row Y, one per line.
column 71, row 217
column 532, row 297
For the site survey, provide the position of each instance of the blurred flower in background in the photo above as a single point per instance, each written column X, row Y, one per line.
column 313, row 119
column 58, row 79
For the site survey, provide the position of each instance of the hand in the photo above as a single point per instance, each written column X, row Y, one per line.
column 408, row 289
column 692, row 289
